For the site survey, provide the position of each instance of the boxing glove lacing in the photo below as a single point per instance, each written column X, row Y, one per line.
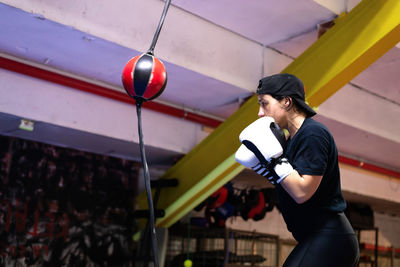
column 267, row 170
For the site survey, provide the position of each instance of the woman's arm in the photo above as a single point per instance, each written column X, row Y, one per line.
column 301, row 187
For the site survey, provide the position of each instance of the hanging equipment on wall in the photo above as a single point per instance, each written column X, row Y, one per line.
column 144, row 78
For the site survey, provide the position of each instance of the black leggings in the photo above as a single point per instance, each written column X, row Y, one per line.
column 334, row 245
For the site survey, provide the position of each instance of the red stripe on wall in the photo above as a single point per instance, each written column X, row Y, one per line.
column 60, row 79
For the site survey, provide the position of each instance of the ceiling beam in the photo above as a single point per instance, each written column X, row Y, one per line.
column 357, row 40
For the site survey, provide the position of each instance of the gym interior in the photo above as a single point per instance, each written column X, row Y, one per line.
column 73, row 177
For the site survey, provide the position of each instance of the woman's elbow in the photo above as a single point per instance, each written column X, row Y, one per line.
column 300, row 199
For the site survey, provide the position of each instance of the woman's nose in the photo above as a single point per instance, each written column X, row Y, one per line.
column 261, row 112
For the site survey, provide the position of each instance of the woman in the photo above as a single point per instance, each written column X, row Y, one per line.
column 309, row 191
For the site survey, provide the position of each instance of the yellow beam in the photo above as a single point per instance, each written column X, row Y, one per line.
column 357, row 40
column 204, row 169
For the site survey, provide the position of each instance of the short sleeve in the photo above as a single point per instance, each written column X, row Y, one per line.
column 312, row 155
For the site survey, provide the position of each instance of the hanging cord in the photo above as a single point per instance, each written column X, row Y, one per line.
column 188, row 247
column 160, row 24
column 147, row 185
column 228, row 245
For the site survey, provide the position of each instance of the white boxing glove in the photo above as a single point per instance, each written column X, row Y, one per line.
column 263, row 142
column 281, row 170
column 264, row 138
column 245, row 157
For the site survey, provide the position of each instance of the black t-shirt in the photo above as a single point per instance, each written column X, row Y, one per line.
column 312, row 151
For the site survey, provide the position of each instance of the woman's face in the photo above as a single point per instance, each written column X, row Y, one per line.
column 270, row 107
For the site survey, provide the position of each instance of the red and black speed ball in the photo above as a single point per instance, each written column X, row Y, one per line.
column 144, row 77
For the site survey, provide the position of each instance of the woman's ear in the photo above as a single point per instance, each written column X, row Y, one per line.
column 288, row 102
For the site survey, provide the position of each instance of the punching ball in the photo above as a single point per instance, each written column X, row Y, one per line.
column 144, row 77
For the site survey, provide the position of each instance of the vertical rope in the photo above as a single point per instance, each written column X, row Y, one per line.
column 147, row 185
column 188, row 246
column 160, row 24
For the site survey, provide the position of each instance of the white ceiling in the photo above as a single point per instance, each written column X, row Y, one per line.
column 258, row 19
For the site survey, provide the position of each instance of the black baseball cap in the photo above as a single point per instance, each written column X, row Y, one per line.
column 284, row 84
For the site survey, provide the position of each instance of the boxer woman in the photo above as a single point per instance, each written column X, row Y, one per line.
column 307, row 178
